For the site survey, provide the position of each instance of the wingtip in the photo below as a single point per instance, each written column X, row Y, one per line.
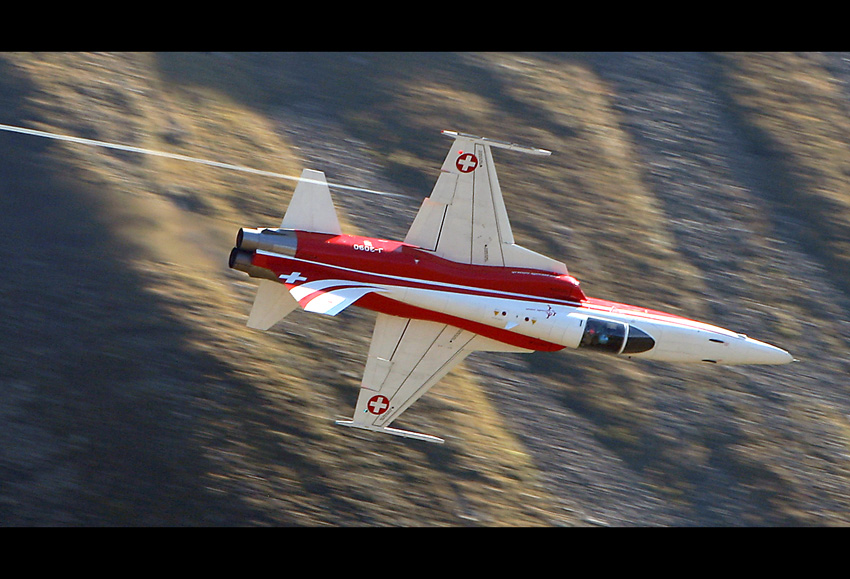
column 499, row 144
column 393, row 431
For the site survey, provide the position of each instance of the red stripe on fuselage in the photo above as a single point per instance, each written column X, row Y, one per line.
column 392, row 307
column 394, row 258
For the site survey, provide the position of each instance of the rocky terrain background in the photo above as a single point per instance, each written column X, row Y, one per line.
column 715, row 186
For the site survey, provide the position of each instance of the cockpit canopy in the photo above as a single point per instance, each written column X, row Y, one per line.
column 615, row 337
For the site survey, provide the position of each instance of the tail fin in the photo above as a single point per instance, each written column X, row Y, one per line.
column 311, row 207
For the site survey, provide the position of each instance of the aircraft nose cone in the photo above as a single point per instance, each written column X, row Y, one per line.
column 763, row 353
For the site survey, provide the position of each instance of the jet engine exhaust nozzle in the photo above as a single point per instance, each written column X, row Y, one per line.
column 240, row 259
column 282, row 241
column 244, row 261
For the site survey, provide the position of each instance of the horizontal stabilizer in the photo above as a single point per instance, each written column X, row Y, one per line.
column 272, row 304
column 393, row 431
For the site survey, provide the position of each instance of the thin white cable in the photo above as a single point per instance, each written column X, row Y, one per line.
column 179, row 157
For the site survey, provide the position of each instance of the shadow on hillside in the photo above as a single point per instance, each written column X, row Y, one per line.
column 110, row 417
column 108, row 399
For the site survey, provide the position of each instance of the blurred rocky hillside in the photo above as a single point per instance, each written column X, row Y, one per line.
column 715, row 186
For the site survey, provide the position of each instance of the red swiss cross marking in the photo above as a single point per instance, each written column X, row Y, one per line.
column 378, row 404
column 466, row 163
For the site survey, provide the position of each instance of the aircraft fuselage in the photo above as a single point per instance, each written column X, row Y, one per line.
column 525, row 309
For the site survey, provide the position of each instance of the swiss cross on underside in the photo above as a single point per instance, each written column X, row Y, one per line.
column 378, row 404
column 466, row 162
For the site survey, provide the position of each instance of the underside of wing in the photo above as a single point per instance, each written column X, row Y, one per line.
column 406, row 358
column 464, row 219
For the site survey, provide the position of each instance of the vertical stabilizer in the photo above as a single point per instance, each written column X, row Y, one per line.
column 311, row 207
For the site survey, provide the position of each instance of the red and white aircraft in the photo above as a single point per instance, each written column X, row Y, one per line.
column 457, row 284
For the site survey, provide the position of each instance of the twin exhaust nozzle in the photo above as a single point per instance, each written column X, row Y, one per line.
column 280, row 241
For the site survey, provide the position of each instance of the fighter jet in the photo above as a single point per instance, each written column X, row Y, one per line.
column 457, row 284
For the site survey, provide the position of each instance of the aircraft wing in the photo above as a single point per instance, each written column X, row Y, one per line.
column 464, row 219
column 406, row 358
